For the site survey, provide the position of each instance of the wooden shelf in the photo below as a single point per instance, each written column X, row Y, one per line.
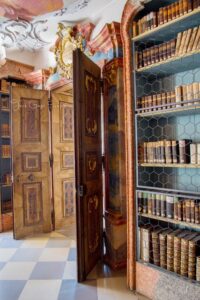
column 169, row 29
column 173, row 65
column 183, row 109
column 158, row 165
column 185, row 224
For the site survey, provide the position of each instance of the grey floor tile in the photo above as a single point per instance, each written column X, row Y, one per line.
column 24, row 254
column 58, row 243
column 10, row 243
column 72, row 254
column 71, row 290
column 11, row 290
column 48, row 270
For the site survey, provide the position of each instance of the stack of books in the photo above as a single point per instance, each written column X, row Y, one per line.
column 169, row 206
column 164, row 15
column 6, row 151
column 175, row 250
column 186, row 42
column 169, row 152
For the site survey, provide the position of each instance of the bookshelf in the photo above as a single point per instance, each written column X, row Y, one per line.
column 177, row 182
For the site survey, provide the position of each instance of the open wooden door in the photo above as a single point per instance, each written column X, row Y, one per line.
column 63, row 153
column 88, row 162
column 31, row 169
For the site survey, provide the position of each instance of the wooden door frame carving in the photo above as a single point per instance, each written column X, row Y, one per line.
column 131, row 9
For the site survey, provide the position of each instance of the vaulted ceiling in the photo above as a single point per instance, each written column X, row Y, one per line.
column 32, row 24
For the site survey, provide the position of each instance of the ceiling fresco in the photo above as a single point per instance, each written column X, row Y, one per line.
column 31, row 24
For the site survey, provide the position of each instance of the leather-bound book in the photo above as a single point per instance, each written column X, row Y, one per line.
column 149, row 204
column 173, row 11
column 177, row 251
column 164, row 51
column 162, row 152
column 196, row 93
column 192, row 39
column 178, row 92
column 145, row 152
column 183, row 40
column 170, row 249
column 184, row 151
column 193, row 153
column 165, row 14
column 156, row 246
column 140, row 59
column 163, row 247
column 187, row 41
column 185, row 7
column 144, row 57
column 161, row 52
column 196, row 4
column 196, row 41
column 161, row 16
column 153, row 199
column 170, row 206
column 193, row 252
column 176, row 201
column 157, row 53
column 181, row 9
column 184, row 211
column 148, row 53
column 164, row 98
column 154, row 101
column 192, row 211
column 168, row 44
column 145, row 243
column 177, row 9
column 145, row 203
column 188, row 210
column 190, row 94
column 140, row 202
column 185, row 253
column 168, row 99
column 168, row 152
column 180, row 211
column 175, row 152
column 197, row 215
column 163, row 205
column 198, row 153
column 178, row 42
column 158, row 204
column 169, row 11
column 173, row 47
column 198, row 268
column 152, row 53
column 189, row 5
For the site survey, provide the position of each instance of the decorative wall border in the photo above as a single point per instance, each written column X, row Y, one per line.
column 131, row 9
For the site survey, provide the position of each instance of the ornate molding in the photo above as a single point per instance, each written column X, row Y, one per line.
column 23, row 34
column 131, row 9
column 73, row 8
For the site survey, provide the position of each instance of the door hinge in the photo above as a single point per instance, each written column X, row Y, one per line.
column 51, row 160
column 81, row 190
column 103, row 161
column 102, row 85
column 50, row 104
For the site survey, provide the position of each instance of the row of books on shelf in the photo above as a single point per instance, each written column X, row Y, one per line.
column 169, row 206
column 5, row 129
column 170, row 152
column 6, row 151
column 186, row 42
column 175, row 250
column 164, row 15
column 183, row 95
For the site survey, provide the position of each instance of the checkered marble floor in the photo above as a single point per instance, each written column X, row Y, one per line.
column 44, row 268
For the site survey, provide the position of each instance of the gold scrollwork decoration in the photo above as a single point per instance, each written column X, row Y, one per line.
column 92, row 164
column 91, row 126
column 88, row 80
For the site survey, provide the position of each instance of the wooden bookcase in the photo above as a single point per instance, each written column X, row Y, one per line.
column 5, row 163
column 152, row 124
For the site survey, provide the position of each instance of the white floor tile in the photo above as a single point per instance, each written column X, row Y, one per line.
column 6, row 254
column 41, row 290
column 17, row 271
column 35, row 243
column 70, row 271
column 114, row 288
column 54, row 254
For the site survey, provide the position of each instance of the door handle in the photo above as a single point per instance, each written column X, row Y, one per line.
column 31, row 177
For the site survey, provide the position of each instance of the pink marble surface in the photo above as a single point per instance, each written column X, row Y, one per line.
column 146, row 280
column 28, row 9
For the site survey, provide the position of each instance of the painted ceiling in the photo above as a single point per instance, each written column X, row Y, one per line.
column 32, row 24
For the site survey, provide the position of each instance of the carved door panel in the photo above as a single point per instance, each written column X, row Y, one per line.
column 31, row 170
column 63, row 156
column 87, row 112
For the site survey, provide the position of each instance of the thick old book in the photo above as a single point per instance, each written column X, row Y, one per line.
column 149, row 197
column 176, row 201
column 198, row 154
column 153, row 199
column 193, row 36
column 180, row 211
column 192, row 211
column 193, row 153
column 184, row 151
column 175, row 152
column 193, row 252
column 196, row 41
column 185, row 253
column 156, row 246
column 197, row 215
column 170, row 206
column 183, row 40
column 158, row 204
column 170, row 249
column 187, row 41
column 163, row 247
column 177, row 250
column 178, row 92
column 163, row 205
column 168, row 152
column 145, row 242
column 188, row 210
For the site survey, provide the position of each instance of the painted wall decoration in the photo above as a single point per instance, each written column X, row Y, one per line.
column 69, row 199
